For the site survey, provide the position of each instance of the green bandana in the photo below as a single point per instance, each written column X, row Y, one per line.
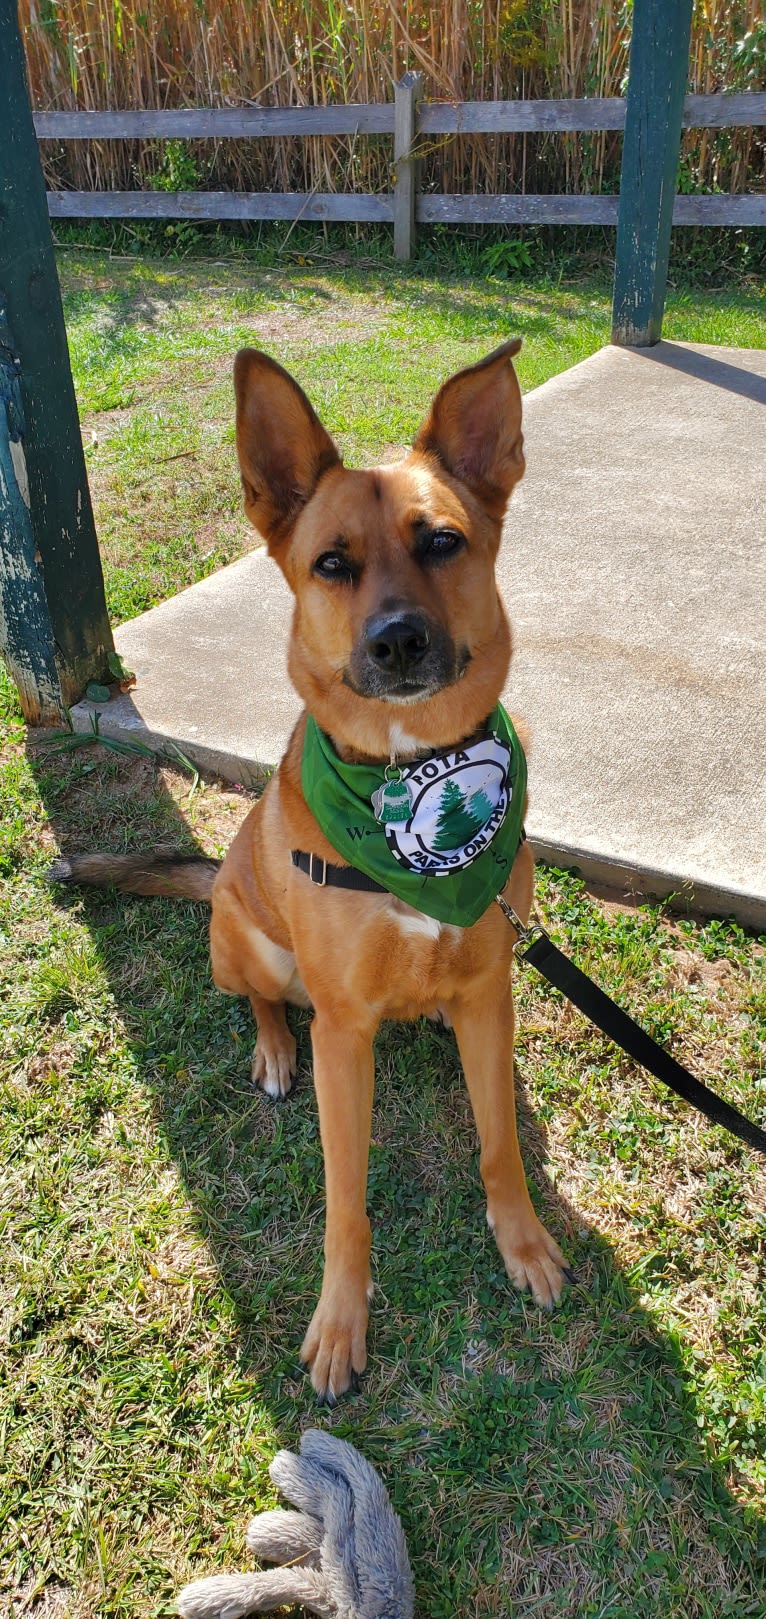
column 441, row 833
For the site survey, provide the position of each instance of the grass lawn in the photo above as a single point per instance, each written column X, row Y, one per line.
column 162, row 1224
column 152, row 347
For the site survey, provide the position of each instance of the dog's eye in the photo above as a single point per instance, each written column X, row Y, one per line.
column 331, row 565
column 440, row 544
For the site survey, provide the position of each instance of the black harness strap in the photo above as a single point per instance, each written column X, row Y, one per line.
column 544, row 955
column 324, row 875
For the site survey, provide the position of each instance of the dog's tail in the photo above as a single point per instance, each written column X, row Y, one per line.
column 177, row 876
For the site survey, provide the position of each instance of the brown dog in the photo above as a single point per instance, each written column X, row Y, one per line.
column 399, row 646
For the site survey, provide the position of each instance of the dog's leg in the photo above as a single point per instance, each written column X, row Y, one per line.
column 335, row 1344
column 274, row 1057
column 484, row 1025
column 246, row 962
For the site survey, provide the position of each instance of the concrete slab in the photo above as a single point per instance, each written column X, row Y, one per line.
column 211, row 671
column 634, row 571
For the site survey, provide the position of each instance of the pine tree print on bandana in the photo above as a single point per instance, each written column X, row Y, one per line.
column 480, row 807
column 458, row 822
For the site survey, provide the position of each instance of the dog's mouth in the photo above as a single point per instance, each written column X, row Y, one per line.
column 384, row 691
column 408, row 692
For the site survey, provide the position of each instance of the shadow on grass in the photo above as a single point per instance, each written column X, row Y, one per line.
column 140, row 291
column 138, row 296
column 545, row 1465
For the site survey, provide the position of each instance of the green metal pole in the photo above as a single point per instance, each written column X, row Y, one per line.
column 26, row 637
column 63, row 604
column 659, row 58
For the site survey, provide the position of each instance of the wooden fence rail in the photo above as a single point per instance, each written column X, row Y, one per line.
column 406, row 120
column 362, row 118
column 593, row 113
column 345, row 206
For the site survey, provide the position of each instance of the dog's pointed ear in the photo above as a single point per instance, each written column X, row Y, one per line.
column 282, row 446
column 474, row 427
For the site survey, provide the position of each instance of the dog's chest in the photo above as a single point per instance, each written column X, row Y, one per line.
column 417, row 960
column 414, row 925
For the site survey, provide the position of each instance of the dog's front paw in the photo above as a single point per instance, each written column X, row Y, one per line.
column 531, row 1257
column 274, row 1063
column 334, row 1349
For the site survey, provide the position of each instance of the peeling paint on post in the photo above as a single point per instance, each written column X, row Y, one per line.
column 659, row 58
column 63, row 570
column 26, row 634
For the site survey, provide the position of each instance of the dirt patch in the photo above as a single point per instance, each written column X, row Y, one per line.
column 329, row 324
column 323, row 317
column 106, row 796
column 214, row 812
column 102, row 424
column 321, row 325
column 57, row 1061
column 51, row 1601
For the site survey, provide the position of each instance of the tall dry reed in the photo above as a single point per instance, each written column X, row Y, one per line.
column 170, row 53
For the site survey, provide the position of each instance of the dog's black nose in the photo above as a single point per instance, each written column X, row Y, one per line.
column 397, row 643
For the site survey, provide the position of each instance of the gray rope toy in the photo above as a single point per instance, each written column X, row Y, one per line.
column 343, row 1552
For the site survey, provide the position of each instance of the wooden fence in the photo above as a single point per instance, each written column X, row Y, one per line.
column 408, row 121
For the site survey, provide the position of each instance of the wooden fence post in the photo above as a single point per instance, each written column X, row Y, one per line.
column 659, row 57
column 408, row 94
column 53, row 617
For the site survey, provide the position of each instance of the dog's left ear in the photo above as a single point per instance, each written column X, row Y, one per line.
column 282, row 446
column 474, row 427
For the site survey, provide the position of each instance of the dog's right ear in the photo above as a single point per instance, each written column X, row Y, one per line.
column 282, row 446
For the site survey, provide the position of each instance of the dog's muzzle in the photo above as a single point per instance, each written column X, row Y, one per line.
column 401, row 657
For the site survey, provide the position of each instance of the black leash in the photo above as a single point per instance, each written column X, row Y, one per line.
column 535, row 946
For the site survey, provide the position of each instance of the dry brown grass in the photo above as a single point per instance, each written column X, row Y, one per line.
column 170, row 53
